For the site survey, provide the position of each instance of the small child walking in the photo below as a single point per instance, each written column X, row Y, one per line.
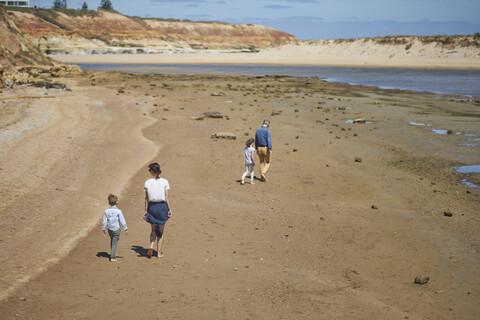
column 113, row 217
column 248, row 160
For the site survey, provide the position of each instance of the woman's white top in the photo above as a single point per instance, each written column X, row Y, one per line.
column 156, row 189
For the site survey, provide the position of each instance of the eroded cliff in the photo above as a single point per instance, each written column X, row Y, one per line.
column 77, row 31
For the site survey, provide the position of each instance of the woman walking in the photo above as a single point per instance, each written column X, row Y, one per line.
column 157, row 207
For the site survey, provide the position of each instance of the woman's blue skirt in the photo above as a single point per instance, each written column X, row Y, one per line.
column 157, row 213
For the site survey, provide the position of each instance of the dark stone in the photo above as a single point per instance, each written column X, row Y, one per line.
column 421, row 279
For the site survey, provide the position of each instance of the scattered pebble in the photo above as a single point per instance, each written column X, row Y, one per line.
column 448, row 213
column 374, row 207
column 358, row 159
column 421, row 279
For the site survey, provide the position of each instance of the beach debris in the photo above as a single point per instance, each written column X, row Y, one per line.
column 421, row 279
column 276, row 113
column 217, row 94
column 359, row 120
column 358, row 159
column 374, row 207
column 223, row 135
column 213, row 114
column 448, row 213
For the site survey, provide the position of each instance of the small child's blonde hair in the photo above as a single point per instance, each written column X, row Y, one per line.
column 249, row 142
column 112, row 199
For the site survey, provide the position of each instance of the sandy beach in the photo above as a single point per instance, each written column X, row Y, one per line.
column 350, row 215
column 357, row 53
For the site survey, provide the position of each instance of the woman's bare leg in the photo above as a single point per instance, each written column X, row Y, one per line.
column 152, row 240
column 160, row 242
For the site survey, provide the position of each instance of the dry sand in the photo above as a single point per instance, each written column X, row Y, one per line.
column 357, row 53
column 307, row 244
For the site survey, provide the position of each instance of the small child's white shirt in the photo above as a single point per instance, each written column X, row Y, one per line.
column 248, row 154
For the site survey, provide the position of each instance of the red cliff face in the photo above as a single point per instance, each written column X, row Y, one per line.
column 74, row 31
column 14, row 47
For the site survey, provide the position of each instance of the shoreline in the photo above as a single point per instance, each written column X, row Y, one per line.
column 408, row 79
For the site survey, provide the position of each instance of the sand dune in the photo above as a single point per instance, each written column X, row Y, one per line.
column 358, row 53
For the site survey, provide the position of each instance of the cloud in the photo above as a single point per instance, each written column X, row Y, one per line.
column 183, row 1
column 314, row 28
column 275, row 7
column 302, row 1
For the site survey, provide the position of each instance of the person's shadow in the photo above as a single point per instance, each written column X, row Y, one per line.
column 141, row 251
column 103, row 255
column 254, row 178
column 106, row 255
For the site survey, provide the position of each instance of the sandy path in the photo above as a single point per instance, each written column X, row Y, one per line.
column 307, row 244
column 72, row 150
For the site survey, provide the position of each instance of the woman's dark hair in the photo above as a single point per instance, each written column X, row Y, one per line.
column 155, row 168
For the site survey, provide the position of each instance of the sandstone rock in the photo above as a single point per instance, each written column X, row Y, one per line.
column 223, row 135
column 8, row 83
column 213, row 114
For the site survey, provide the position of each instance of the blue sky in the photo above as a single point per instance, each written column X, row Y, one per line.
column 314, row 19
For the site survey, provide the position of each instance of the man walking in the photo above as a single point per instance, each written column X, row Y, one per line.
column 263, row 144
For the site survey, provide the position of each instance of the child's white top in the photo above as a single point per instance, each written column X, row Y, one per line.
column 156, row 189
column 248, row 154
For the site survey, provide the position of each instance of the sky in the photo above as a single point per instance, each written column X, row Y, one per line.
column 313, row 19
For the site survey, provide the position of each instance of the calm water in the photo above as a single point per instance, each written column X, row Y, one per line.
column 457, row 82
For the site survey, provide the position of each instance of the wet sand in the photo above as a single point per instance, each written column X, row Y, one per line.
column 351, row 213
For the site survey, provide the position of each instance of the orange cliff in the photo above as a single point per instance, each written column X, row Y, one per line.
column 78, row 32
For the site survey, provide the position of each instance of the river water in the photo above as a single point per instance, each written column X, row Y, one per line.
column 451, row 82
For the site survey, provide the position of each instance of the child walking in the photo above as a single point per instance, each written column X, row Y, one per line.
column 113, row 217
column 248, row 160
